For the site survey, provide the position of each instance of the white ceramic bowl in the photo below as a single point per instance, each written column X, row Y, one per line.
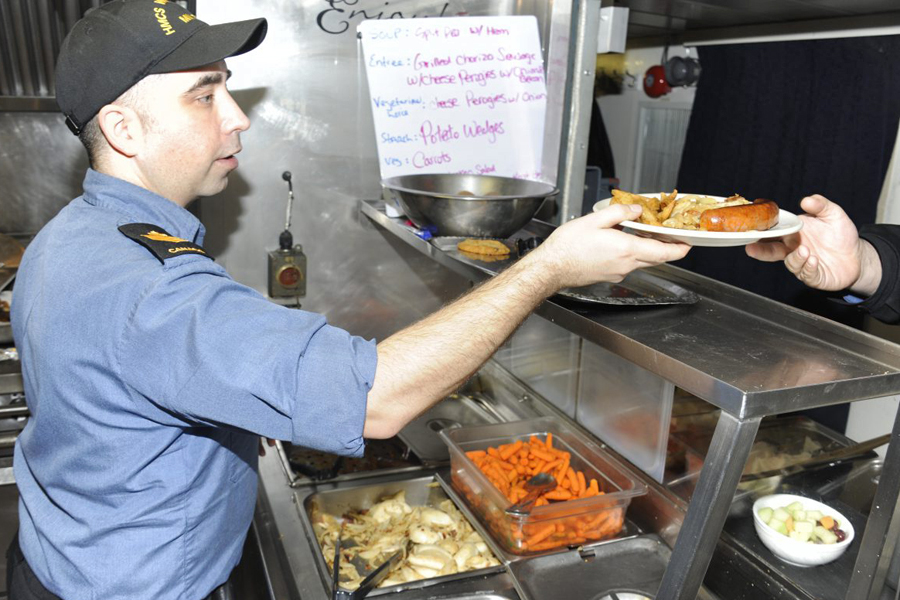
column 793, row 552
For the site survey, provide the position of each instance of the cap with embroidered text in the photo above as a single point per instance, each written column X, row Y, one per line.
column 121, row 42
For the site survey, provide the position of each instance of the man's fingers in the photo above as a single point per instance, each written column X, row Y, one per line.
column 262, row 448
column 814, row 204
column 823, row 208
column 673, row 251
column 767, row 251
column 614, row 214
column 809, row 272
column 797, row 260
column 654, row 252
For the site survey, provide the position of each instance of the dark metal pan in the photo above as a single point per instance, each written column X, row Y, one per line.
column 10, row 253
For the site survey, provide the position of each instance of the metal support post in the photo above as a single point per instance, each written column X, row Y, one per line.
column 868, row 579
column 577, row 123
column 708, row 509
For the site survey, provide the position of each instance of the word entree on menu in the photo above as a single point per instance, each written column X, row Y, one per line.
column 456, row 95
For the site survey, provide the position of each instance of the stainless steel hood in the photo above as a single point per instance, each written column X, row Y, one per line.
column 697, row 19
column 30, row 36
column 31, row 33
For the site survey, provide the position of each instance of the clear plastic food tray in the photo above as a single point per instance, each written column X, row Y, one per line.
column 554, row 525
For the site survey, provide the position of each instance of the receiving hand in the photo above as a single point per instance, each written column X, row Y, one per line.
column 827, row 253
column 591, row 249
column 262, row 449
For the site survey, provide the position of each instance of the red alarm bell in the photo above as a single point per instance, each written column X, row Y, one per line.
column 655, row 84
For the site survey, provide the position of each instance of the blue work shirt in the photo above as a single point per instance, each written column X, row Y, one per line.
column 149, row 381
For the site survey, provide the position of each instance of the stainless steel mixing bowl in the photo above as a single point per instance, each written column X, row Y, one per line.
column 469, row 205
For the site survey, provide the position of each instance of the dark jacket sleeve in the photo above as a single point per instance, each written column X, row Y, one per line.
column 884, row 304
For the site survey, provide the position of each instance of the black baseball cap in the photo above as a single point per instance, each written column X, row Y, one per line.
column 121, row 42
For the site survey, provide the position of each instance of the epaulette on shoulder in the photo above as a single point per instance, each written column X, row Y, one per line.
column 162, row 245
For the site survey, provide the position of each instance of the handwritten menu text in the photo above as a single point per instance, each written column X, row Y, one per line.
column 456, row 94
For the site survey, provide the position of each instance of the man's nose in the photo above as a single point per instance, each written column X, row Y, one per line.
column 234, row 118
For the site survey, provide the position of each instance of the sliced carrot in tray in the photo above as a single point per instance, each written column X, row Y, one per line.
column 509, row 466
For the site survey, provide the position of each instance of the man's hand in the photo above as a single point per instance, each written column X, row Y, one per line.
column 590, row 249
column 262, row 448
column 827, row 253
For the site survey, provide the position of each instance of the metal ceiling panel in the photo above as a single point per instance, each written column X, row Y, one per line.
column 31, row 31
column 650, row 17
column 858, row 7
column 654, row 20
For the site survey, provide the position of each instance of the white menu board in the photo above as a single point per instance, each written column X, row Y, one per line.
column 456, row 94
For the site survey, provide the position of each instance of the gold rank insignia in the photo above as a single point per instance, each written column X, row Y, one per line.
column 161, row 237
column 162, row 245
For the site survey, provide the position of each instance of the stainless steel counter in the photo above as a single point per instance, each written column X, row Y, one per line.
column 296, row 566
column 11, row 377
column 9, row 518
column 749, row 356
column 744, row 353
column 295, row 569
column 289, row 544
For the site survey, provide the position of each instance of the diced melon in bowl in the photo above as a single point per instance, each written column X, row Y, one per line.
column 801, row 531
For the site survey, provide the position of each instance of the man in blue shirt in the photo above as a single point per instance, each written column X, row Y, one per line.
column 137, row 470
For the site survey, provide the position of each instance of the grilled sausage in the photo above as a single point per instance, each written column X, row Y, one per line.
column 762, row 214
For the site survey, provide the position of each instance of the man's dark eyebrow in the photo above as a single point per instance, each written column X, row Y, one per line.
column 207, row 80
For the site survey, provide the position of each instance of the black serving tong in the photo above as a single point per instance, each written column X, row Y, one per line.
column 524, row 246
column 371, row 580
column 825, row 458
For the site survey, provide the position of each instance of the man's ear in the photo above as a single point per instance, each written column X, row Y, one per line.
column 122, row 128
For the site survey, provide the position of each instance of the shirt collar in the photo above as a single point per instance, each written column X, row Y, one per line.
column 141, row 205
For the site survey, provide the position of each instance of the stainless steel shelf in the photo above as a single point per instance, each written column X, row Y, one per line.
column 11, row 377
column 746, row 354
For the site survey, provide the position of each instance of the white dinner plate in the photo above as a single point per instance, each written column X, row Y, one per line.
column 787, row 223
